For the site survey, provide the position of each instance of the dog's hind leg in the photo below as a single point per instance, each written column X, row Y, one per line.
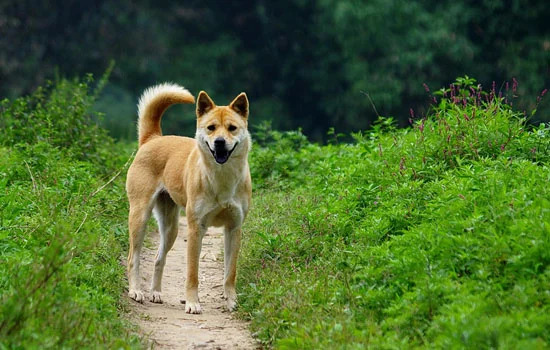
column 167, row 214
column 137, row 220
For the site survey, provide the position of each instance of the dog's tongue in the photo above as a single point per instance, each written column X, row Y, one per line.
column 221, row 156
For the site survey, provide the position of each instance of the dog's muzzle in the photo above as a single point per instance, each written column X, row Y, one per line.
column 220, row 152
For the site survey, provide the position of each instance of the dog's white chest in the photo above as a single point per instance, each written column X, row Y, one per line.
column 225, row 197
column 225, row 204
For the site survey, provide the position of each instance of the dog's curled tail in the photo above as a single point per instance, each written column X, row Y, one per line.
column 152, row 105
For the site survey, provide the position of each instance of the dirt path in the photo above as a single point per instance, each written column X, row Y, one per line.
column 167, row 325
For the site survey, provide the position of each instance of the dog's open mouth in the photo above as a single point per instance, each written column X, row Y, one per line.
column 220, row 153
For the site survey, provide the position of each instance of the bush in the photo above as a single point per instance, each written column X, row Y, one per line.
column 62, row 228
column 59, row 115
column 430, row 236
column 277, row 159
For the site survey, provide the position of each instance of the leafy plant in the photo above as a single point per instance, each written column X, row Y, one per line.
column 430, row 236
column 62, row 224
column 59, row 115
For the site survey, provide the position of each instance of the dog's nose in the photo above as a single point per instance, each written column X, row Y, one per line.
column 219, row 142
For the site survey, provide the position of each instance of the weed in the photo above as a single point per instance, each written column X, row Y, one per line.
column 62, row 224
column 430, row 236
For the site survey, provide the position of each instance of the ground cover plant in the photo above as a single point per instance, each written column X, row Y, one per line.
column 62, row 223
column 432, row 236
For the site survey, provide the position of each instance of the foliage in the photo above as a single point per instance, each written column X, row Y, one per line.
column 58, row 115
column 431, row 236
column 305, row 63
column 62, row 227
column 275, row 162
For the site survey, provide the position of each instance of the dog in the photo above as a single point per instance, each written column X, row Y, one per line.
column 208, row 176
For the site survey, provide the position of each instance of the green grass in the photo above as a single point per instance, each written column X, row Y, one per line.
column 434, row 236
column 62, row 225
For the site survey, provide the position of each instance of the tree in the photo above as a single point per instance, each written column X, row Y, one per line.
column 313, row 64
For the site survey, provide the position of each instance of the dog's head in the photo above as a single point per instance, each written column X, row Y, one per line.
column 222, row 130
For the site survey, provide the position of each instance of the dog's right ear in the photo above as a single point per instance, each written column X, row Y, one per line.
column 204, row 104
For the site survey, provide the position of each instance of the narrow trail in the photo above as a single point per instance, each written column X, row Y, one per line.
column 167, row 325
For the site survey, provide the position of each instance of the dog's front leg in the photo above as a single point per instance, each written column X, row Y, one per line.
column 195, row 234
column 232, row 244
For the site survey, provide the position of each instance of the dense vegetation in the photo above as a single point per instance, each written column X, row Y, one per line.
column 436, row 235
column 304, row 63
column 62, row 223
column 433, row 236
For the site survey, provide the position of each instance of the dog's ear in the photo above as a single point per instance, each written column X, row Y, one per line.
column 240, row 105
column 204, row 104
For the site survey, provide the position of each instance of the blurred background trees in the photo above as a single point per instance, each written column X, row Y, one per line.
column 303, row 63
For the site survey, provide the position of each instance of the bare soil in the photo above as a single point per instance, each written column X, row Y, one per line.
column 167, row 325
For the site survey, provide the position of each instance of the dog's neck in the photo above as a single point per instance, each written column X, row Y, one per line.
column 223, row 179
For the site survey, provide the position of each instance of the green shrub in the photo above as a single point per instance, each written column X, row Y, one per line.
column 276, row 159
column 62, row 224
column 59, row 115
column 431, row 236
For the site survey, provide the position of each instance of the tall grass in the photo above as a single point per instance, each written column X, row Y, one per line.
column 62, row 225
column 436, row 235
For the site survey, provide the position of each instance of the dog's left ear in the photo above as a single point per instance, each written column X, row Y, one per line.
column 240, row 105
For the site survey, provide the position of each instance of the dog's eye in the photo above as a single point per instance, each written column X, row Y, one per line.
column 211, row 127
column 232, row 128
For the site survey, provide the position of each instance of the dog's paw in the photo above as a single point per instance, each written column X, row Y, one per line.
column 193, row 308
column 156, row 298
column 231, row 299
column 136, row 295
column 231, row 304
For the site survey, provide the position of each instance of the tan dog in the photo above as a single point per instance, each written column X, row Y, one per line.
column 208, row 176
